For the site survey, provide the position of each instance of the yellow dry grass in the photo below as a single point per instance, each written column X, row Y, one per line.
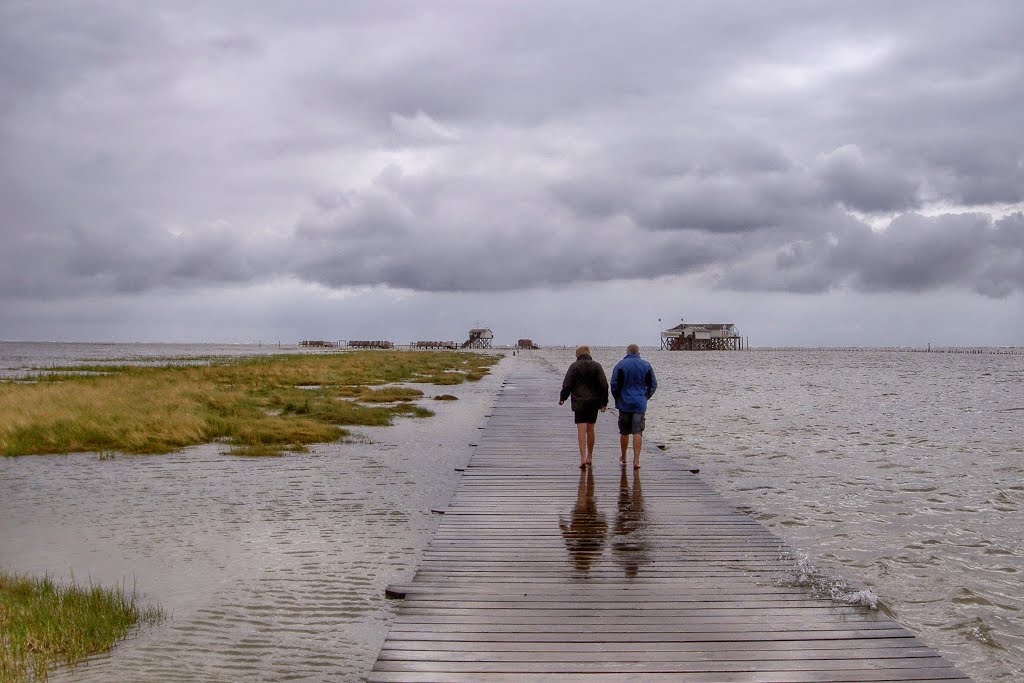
column 260, row 405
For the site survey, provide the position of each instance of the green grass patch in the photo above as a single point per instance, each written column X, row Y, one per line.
column 389, row 395
column 45, row 624
column 260, row 406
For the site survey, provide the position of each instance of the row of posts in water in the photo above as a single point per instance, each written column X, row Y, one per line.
column 1011, row 351
column 990, row 350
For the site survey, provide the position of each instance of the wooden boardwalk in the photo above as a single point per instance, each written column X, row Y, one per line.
column 542, row 571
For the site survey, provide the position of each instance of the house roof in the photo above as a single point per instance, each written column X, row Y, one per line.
column 700, row 326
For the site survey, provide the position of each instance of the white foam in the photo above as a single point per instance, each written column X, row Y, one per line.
column 832, row 587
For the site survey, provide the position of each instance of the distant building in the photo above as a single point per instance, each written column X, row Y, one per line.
column 524, row 344
column 479, row 338
column 702, row 337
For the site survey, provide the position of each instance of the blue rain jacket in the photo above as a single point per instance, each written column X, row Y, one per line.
column 633, row 382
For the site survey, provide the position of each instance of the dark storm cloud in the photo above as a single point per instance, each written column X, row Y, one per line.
column 792, row 146
column 915, row 253
column 127, row 258
column 424, row 232
column 855, row 183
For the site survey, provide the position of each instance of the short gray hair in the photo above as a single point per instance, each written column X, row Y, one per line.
column 632, row 348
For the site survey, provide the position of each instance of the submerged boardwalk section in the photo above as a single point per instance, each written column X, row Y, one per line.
column 542, row 571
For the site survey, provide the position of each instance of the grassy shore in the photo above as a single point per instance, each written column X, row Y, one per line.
column 260, row 406
column 43, row 624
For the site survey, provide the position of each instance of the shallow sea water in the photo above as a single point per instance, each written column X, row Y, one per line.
column 21, row 360
column 271, row 568
column 898, row 472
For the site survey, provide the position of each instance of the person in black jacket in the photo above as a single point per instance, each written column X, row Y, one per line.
column 586, row 382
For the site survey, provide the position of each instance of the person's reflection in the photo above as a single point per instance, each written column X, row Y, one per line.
column 586, row 529
column 629, row 544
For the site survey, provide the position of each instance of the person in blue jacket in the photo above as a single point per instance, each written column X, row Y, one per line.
column 633, row 382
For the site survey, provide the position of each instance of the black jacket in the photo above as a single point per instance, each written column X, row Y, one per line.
column 585, row 381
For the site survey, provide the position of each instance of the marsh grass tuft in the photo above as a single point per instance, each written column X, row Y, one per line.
column 43, row 623
column 259, row 406
column 389, row 395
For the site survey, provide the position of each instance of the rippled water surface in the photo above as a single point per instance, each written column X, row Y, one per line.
column 19, row 360
column 902, row 472
column 271, row 568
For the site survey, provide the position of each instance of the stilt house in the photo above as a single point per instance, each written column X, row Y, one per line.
column 479, row 338
column 702, row 337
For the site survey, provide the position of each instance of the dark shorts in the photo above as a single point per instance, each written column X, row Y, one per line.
column 586, row 412
column 631, row 423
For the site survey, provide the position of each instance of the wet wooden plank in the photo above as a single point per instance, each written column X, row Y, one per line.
column 796, row 653
column 459, row 632
column 861, row 666
column 703, row 649
column 542, row 571
column 856, row 676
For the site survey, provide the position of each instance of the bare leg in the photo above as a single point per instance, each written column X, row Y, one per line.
column 623, row 444
column 581, row 436
column 591, row 438
column 638, row 442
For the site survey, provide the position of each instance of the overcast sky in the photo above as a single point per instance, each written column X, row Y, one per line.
column 815, row 172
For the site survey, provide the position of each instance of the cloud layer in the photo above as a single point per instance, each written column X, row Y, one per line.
column 464, row 146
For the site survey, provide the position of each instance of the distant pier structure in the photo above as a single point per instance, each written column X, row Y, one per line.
column 435, row 345
column 479, row 338
column 526, row 344
column 703, row 337
column 378, row 344
column 320, row 343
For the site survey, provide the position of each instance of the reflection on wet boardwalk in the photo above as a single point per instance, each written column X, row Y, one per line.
column 542, row 571
column 586, row 530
